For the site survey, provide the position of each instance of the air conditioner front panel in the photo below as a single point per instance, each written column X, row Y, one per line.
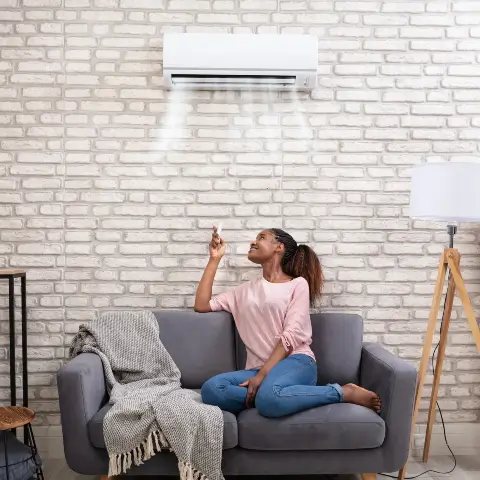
column 240, row 51
column 240, row 61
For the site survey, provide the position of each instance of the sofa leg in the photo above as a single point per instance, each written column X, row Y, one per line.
column 369, row 476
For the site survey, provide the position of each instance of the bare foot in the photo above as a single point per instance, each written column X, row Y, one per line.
column 359, row 396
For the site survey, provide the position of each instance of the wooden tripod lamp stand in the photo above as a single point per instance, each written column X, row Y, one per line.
column 444, row 192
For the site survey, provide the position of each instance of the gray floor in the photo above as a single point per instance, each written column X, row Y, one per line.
column 468, row 469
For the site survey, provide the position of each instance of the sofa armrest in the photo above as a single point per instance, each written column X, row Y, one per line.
column 394, row 380
column 82, row 392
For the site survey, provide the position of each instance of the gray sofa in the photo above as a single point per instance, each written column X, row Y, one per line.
column 339, row 438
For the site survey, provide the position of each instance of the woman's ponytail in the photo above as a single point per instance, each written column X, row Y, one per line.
column 301, row 261
column 305, row 264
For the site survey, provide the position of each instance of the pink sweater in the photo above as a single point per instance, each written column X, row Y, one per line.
column 265, row 312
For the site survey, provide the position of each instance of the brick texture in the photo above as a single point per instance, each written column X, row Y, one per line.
column 109, row 184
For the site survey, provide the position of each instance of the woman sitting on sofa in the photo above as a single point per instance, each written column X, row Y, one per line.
column 272, row 316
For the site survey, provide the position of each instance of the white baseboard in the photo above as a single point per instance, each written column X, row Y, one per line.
column 463, row 438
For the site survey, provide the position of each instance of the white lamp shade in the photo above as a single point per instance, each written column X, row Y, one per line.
column 446, row 192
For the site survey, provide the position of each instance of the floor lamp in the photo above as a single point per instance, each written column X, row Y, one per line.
column 450, row 193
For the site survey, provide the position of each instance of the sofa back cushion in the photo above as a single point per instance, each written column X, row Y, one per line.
column 336, row 343
column 201, row 344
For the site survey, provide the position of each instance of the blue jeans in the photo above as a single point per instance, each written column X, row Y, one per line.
column 290, row 387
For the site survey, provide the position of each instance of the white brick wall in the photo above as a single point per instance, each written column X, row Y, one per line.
column 110, row 183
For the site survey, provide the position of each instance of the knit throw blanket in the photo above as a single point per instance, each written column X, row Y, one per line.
column 150, row 411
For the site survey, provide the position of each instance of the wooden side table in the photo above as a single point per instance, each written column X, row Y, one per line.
column 12, row 418
column 11, row 275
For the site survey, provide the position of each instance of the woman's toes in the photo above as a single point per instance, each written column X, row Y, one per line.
column 377, row 404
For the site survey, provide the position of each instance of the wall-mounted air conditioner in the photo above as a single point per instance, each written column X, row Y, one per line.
column 240, row 62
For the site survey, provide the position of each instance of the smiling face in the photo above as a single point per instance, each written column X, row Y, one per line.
column 265, row 247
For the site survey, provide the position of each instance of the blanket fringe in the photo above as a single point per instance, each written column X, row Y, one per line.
column 119, row 463
column 157, row 441
column 188, row 472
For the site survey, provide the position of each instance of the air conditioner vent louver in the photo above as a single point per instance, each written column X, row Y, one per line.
column 219, row 81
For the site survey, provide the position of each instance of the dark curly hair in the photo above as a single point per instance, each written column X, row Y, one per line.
column 301, row 261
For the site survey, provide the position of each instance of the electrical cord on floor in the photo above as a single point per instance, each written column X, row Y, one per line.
column 439, row 409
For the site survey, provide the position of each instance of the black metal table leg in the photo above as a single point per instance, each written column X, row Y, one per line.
column 24, row 340
column 33, row 446
column 6, row 453
column 23, row 284
column 11, row 316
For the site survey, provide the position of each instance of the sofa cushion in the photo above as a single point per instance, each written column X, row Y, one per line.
column 340, row 426
column 95, row 429
column 201, row 344
column 337, row 344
